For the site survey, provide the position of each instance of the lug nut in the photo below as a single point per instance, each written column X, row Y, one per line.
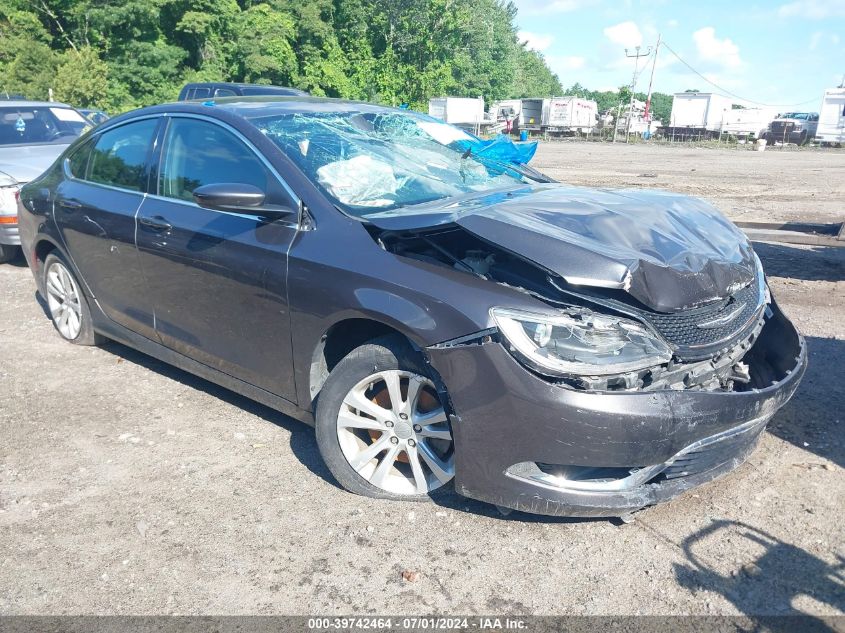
column 403, row 416
column 411, row 443
column 417, row 428
column 394, row 440
column 389, row 424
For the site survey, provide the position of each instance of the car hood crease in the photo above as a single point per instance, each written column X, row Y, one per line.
column 668, row 251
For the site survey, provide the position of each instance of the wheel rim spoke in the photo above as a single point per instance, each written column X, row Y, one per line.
column 358, row 400
column 382, row 471
column 441, row 470
column 395, row 391
column 349, row 420
column 54, row 285
column 415, row 386
column 437, row 416
column 436, row 432
column 366, row 456
column 416, row 468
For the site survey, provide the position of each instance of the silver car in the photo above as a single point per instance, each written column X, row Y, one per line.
column 32, row 135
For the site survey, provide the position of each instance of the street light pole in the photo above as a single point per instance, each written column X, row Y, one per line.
column 650, row 82
column 636, row 57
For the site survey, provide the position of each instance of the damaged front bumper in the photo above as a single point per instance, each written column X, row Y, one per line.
column 525, row 443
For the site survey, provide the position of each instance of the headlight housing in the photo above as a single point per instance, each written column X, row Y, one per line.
column 580, row 344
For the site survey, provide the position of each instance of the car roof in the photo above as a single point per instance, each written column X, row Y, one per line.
column 31, row 104
column 259, row 106
column 236, row 84
column 272, row 105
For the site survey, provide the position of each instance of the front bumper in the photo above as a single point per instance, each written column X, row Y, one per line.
column 506, row 417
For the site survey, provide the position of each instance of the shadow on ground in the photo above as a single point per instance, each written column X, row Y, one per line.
column 772, row 584
column 817, row 263
column 813, row 419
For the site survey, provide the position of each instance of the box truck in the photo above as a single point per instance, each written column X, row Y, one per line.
column 831, row 129
column 569, row 115
column 697, row 115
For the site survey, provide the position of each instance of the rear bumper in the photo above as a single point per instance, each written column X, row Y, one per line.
column 507, row 420
column 8, row 211
column 9, row 235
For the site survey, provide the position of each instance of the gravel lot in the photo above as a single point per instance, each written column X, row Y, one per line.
column 129, row 487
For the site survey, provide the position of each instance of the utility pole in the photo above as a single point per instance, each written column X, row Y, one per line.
column 650, row 83
column 636, row 57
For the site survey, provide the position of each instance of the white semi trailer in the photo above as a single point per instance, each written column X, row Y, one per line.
column 465, row 112
column 747, row 122
column 832, row 117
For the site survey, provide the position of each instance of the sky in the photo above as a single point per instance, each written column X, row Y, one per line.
column 775, row 53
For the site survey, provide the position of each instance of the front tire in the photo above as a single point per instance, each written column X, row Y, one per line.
column 381, row 427
column 67, row 303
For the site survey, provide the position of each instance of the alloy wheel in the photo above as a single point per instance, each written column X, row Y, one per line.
column 63, row 299
column 393, row 431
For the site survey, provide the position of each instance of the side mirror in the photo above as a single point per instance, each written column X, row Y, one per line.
column 228, row 196
column 238, row 198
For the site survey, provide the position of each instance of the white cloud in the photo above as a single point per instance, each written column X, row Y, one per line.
column 536, row 41
column 565, row 64
column 812, row 9
column 815, row 39
column 673, row 23
column 711, row 49
column 543, row 7
column 626, row 34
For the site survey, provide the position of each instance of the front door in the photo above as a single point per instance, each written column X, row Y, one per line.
column 95, row 212
column 217, row 279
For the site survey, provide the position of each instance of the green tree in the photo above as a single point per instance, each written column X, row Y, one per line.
column 82, row 79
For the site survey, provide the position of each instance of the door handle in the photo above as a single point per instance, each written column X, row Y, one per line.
column 70, row 205
column 155, row 223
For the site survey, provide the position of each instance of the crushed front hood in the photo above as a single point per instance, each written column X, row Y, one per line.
column 668, row 251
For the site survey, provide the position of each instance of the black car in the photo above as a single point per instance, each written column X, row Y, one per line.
column 437, row 309
column 214, row 90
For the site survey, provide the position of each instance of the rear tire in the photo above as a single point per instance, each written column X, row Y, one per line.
column 8, row 253
column 381, row 427
column 67, row 303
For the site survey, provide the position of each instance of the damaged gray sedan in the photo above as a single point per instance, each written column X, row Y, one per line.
column 440, row 311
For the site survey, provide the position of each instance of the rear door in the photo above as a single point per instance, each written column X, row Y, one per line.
column 95, row 209
column 218, row 279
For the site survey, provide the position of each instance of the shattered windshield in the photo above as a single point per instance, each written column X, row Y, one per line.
column 378, row 161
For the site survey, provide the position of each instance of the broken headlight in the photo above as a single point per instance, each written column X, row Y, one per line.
column 581, row 344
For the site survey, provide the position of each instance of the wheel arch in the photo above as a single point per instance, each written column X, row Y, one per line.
column 341, row 338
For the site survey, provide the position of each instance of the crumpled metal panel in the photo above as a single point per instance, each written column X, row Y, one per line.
column 668, row 251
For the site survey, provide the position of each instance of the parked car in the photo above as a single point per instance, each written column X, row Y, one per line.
column 32, row 135
column 438, row 313
column 95, row 116
column 213, row 90
column 793, row 127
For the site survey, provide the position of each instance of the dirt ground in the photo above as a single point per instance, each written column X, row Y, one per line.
column 129, row 487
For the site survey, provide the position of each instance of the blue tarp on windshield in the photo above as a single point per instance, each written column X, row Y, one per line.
column 501, row 148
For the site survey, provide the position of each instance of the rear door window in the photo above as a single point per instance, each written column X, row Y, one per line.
column 119, row 157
